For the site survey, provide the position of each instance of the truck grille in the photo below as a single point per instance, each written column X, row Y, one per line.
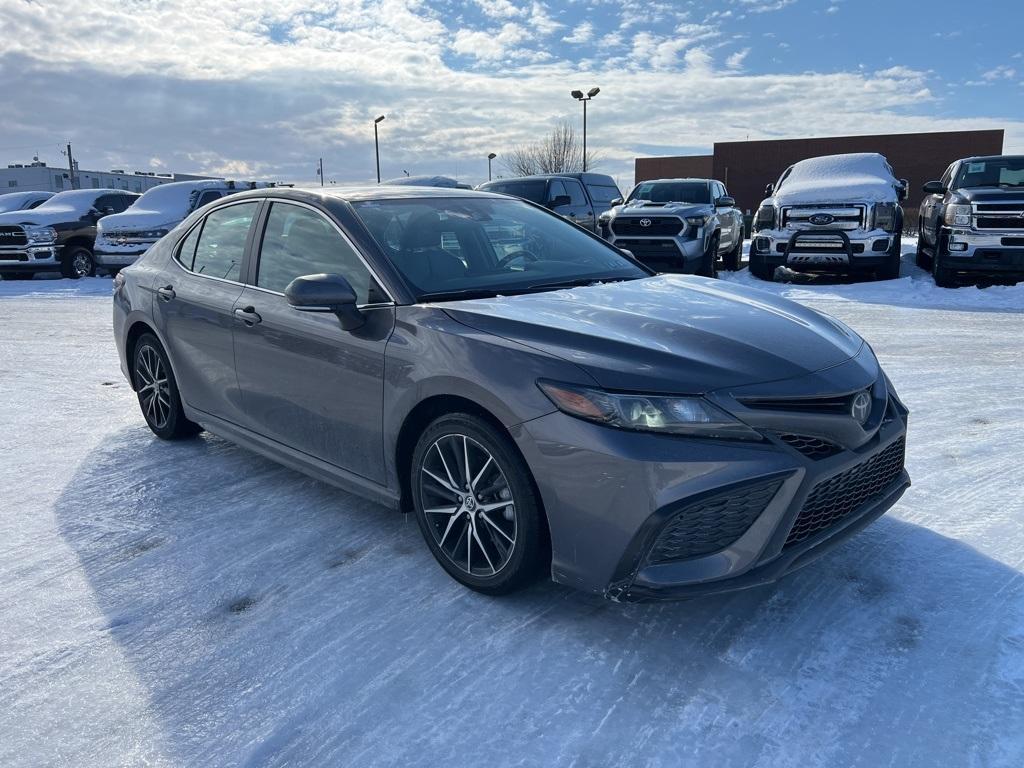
column 12, row 235
column 712, row 524
column 659, row 225
column 662, row 255
column 999, row 222
column 835, row 499
column 846, row 217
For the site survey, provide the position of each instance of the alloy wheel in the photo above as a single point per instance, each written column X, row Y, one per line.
column 81, row 263
column 468, row 505
column 154, row 389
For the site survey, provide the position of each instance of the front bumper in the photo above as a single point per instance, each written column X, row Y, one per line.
column 30, row 258
column 664, row 253
column 116, row 256
column 610, row 503
column 850, row 251
column 990, row 253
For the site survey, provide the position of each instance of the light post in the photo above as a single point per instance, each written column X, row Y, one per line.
column 376, row 145
column 490, row 157
column 578, row 95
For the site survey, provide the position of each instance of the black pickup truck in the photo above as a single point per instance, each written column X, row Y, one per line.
column 579, row 197
column 58, row 235
column 972, row 221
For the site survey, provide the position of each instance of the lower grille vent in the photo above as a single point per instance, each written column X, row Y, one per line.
column 812, row 447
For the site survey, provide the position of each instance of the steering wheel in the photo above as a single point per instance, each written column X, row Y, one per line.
column 517, row 255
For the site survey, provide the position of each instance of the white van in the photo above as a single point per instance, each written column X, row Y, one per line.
column 123, row 237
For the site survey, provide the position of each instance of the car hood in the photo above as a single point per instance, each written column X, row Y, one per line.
column 991, row 195
column 679, row 334
column 48, row 217
column 644, row 208
column 134, row 220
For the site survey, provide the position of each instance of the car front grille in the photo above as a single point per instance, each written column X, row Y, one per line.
column 844, row 217
column 814, row 246
column 711, row 524
column 835, row 499
column 12, row 235
column 999, row 222
column 658, row 225
column 811, row 447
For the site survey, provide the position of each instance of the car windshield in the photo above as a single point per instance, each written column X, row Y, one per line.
column 603, row 195
column 172, row 199
column 672, row 192
column 998, row 172
column 449, row 248
column 12, row 202
column 79, row 200
column 532, row 190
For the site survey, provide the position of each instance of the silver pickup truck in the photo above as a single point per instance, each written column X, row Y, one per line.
column 677, row 225
column 836, row 213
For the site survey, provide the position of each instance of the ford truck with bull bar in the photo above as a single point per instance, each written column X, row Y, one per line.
column 837, row 213
column 972, row 221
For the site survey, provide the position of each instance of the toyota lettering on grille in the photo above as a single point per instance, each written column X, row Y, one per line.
column 645, row 222
column 821, row 219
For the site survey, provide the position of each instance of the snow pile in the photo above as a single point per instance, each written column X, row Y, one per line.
column 839, row 178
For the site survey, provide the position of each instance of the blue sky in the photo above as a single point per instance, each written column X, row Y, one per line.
column 261, row 88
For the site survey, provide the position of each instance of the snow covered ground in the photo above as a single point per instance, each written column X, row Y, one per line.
column 196, row 605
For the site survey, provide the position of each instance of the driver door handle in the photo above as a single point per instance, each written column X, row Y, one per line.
column 248, row 316
column 166, row 293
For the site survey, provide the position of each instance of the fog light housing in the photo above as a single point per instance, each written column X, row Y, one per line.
column 762, row 244
column 958, row 246
column 880, row 246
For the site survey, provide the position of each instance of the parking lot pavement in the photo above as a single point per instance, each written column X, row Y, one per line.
column 196, row 605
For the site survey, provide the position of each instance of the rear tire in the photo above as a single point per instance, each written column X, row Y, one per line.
column 484, row 526
column 922, row 259
column 709, row 261
column 157, row 391
column 77, row 262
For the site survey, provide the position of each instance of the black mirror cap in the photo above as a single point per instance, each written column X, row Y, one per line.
column 769, row 190
column 326, row 293
column 933, row 188
column 725, row 201
column 617, row 201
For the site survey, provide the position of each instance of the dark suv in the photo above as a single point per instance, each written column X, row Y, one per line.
column 579, row 197
column 972, row 220
column 58, row 235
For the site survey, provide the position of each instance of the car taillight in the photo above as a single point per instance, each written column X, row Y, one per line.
column 118, row 282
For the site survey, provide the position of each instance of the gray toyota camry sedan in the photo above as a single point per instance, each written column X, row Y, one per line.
column 538, row 399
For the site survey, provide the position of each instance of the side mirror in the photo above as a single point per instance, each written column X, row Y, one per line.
column 904, row 189
column 560, row 202
column 617, row 201
column 725, row 201
column 769, row 190
column 99, row 213
column 933, row 188
column 326, row 293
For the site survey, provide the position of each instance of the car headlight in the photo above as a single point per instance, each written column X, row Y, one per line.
column 765, row 218
column 647, row 413
column 958, row 215
column 41, row 235
column 885, row 216
column 697, row 221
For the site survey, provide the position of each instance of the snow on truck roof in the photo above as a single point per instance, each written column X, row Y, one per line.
column 864, row 176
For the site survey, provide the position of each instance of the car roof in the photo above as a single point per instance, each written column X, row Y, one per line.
column 360, row 194
column 992, row 157
column 674, row 181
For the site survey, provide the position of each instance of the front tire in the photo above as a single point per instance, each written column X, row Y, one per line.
column 709, row 261
column 891, row 269
column 476, row 505
column 735, row 256
column 157, row 391
column 77, row 262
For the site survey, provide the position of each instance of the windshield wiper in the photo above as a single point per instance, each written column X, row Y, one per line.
column 578, row 282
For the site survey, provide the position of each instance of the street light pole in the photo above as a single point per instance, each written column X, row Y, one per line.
column 490, row 157
column 578, row 95
column 376, row 145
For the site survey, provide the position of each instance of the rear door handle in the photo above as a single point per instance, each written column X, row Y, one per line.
column 248, row 316
column 166, row 293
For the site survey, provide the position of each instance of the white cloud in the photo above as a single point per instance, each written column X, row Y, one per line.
column 581, row 34
column 499, row 9
column 735, row 60
column 1002, row 72
column 489, row 46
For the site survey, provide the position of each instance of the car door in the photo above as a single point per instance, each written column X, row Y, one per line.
column 306, row 382
column 194, row 303
column 581, row 211
column 556, row 190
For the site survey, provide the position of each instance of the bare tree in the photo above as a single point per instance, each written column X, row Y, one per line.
column 558, row 152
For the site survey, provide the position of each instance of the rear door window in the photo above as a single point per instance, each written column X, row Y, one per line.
column 221, row 245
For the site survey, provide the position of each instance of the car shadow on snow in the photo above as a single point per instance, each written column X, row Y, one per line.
column 275, row 620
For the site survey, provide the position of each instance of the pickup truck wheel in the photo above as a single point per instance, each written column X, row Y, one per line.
column 922, row 259
column 943, row 275
column 709, row 261
column 735, row 256
column 77, row 262
column 891, row 269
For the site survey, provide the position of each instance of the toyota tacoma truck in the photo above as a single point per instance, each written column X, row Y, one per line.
column 58, row 235
column 972, row 220
column 836, row 213
column 678, row 225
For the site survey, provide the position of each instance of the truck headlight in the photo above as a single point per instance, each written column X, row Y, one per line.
column 958, row 215
column 885, row 216
column 693, row 416
column 765, row 218
column 697, row 221
column 41, row 235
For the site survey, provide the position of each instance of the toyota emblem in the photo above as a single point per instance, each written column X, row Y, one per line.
column 821, row 219
column 860, row 408
column 645, row 222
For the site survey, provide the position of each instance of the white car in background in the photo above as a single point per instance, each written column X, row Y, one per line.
column 123, row 237
column 23, row 201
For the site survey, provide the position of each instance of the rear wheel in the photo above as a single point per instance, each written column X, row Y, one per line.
column 709, row 261
column 77, row 262
column 158, row 391
column 476, row 505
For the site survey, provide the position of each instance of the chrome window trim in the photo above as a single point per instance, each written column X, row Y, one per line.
column 258, row 244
